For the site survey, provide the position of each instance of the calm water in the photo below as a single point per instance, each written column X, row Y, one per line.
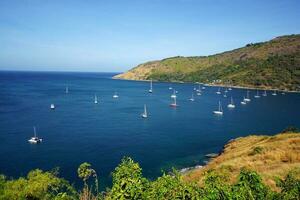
column 79, row 130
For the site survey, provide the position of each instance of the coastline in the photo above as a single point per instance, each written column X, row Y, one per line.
column 214, row 85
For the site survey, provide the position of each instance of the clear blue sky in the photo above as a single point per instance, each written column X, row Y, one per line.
column 110, row 35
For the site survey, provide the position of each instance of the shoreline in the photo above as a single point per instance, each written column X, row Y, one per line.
column 213, row 85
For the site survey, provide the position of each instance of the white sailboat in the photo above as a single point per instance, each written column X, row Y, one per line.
column 274, row 93
column 151, row 87
column 243, row 102
column 231, row 105
column 265, row 93
column 219, row 111
column 170, row 88
column 229, row 88
column 115, row 96
column 174, row 104
column 144, row 114
column 67, row 89
column 248, row 98
column 219, row 91
column 96, row 99
column 52, row 106
column 174, row 94
column 257, row 95
column 34, row 139
column 192, row 98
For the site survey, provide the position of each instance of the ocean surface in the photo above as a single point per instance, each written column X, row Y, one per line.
column 80, row 131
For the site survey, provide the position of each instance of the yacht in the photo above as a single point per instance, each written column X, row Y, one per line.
column 151, row 89
column 52, row 106
column 96, row 99
column 174, row 104
column 115, row 96
column 219, row 111
column 257, row 95
column 248, row 98
column 231, row 105
column 34, row 139
column 144, row 114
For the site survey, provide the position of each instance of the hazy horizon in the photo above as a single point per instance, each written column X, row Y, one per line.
column 114, row 36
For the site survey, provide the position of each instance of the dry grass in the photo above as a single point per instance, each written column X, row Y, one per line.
column 270, row 156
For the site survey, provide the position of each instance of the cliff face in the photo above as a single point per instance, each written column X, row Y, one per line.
column 273, row 64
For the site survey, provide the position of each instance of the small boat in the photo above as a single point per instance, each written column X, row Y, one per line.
column 257, row 95
column 229, row 88
column 144, row 114
column 248, row 98
column 283, row 93
column 219, row 91
column 265, row 93
column 151, row 88
column 96, row 99
column 219, row 111
column 115, row 96
column 170, row 88
column 192, row 98
column 34, row 139
column 174, row 104
column 231, row 105
column 198, row 93
column 52, row 106
column 274, row 93
column 67, row 89
column 174, row 94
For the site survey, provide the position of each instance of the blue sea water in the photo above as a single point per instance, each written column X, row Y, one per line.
column 80, row 131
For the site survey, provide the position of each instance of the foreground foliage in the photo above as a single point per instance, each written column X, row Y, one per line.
column 128, row 183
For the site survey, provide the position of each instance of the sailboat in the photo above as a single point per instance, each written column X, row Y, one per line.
column 229, row 88
column 67, row 89
column 174, row 104
column 265, row 93
column 219, row 91
column 248, row 98
column 52, row 106
column 257, row 95
column 144, row 114
column 192, row 98
column 174, row 94
column 231, row 105
column 274, row 93
column 151, row 89
column 219, row 111
column 96, row 99
column 170, row 88
column 243, row 102
column 34, row 139
column 226, row 90
column 115, row 96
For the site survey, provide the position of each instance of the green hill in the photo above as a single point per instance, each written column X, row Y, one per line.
column 273, row 65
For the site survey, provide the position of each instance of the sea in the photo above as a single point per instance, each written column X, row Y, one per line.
column 78, row 130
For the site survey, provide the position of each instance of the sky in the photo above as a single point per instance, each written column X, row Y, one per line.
column 116, row 35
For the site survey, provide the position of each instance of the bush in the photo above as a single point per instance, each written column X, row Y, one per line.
column 290, row 129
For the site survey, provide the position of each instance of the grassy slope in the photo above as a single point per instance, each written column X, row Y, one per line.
column 270, row 156
column 272, row 64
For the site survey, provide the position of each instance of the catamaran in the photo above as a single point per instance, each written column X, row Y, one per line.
column 265, row 93
column 34, row 139
column 144, row 114
column 174, row 104
column 192, row 98
column 174, row 94
column 219, row 111
column 151, row 89
column 115, row 96
column 52, row 106
column 257, row 95
column 248, row 98
column 96, row 99
column 274, row 93
column 231, row 105
column 219, row 91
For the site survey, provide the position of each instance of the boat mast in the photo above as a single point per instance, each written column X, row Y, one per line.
column 34, row 131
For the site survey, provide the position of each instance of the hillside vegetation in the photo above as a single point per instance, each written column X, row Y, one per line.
column 273, row 65
column 248, row 169
column 270, row 156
